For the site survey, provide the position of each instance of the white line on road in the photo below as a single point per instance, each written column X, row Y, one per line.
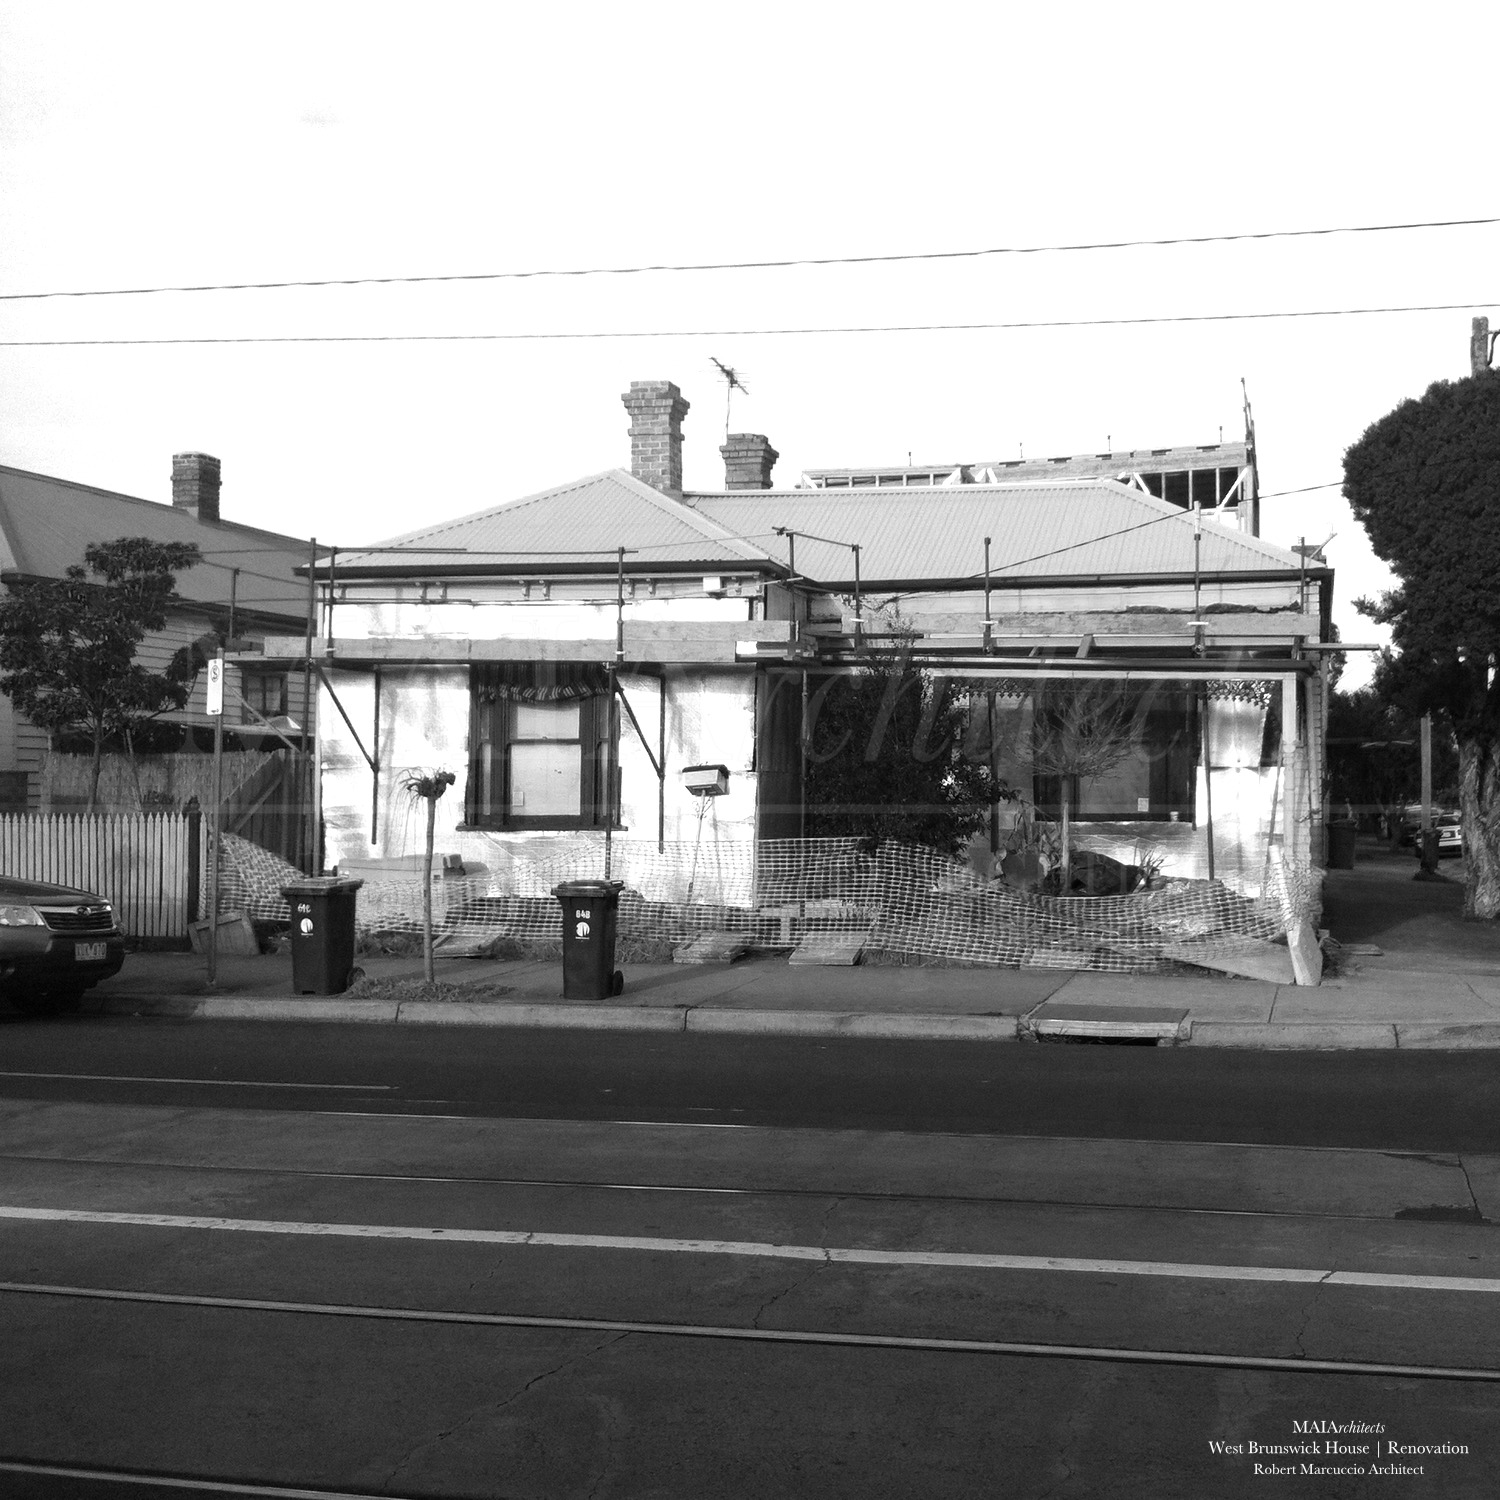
column 222, row 1083
column 172, row 1482
column 769, row 1335
column 832, row 1255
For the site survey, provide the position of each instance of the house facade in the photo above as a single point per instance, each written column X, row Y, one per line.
column 573, row 655
column 245, row 586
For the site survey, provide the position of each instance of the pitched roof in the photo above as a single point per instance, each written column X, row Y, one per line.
column 1066, row 528
column 46, row 523
column 908, row 536
column 578, row 526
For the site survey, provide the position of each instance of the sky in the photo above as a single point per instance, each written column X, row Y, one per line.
column 164, row 144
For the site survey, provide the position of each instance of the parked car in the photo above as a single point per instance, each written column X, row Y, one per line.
column 1450, row 834
column 55, row 943
column 1411, row 824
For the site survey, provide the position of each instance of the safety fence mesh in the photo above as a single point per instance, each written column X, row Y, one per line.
column 906, row 901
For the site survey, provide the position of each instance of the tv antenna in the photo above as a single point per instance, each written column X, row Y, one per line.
column 733, row 382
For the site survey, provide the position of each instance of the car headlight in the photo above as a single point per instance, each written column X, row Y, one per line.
column 20, row 916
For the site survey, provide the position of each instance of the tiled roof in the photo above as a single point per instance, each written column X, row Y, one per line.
column 46, row 523
column 575, row 524
column 907, row 536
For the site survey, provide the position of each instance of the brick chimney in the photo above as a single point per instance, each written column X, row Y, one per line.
column 748, row 461
column 656, row 411
column 195, row 484
column 1479, row 346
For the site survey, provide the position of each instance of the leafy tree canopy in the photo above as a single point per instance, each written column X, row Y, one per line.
column 68, row 645
column 892, row 754
column 1425, row 483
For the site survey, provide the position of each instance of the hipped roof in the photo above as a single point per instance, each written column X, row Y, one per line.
column 577, row 527
column 46, row 523
column 1095, row 528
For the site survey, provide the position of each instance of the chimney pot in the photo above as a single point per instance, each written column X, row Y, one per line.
column 195, row 484
column 656, row 410
column 748, row 461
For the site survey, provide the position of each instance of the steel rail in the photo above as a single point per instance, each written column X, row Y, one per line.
column 1097, row 1355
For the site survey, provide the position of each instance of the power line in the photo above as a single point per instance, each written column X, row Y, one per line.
column 701, row 333
column 1307, row 489
column 757, row 265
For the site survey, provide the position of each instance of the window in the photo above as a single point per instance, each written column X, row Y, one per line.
column 265, row 692
column 540, row 736
column 1151, row 781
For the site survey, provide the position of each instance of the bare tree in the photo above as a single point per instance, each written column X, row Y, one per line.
column 427, row 786
column 1081, row 729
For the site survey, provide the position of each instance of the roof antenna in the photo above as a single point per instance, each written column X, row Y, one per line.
column 733, row 383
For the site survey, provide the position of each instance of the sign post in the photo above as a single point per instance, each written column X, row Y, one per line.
column 216, row 795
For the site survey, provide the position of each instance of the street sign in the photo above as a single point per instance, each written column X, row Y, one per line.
column 216, row 685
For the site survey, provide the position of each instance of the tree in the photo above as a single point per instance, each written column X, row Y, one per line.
column 68, row 645
column 427, row 786
column 1425, row 483
column 1083, row 729
column 888, row 758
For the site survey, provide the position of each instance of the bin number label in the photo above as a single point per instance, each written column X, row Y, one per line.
column 581, row 915
column 305, row 926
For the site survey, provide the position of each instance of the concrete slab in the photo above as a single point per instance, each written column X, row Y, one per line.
column 1307, row 956
column 1264, row 961
column 1206, row 997
column 563, row 1015
column 1126, row 1022
column 854, row 1024
column 1455, row 1038
column 1439, row 998
column 836, row 949
column 712, row 948
column 1307, row 1037
column 305, row 1008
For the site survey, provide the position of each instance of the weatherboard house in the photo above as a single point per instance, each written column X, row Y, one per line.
column 577, row 656
column 246, row 585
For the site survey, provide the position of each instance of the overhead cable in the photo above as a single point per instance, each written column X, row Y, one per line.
column 700, row 333
column 756, row 265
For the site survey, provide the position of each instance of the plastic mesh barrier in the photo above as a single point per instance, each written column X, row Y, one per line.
column 905, row 900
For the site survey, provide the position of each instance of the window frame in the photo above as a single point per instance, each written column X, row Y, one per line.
column 495, row 693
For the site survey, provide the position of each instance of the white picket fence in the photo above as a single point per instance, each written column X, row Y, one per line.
column 143, row 863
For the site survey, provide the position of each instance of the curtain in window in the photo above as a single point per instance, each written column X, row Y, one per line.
column 538, row 682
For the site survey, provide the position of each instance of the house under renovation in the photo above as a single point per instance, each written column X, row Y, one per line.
column 625, row 678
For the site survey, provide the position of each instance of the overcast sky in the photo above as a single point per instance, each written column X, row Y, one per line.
column 168, row 144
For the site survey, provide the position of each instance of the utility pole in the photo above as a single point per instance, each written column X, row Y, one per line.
column 1428, row 839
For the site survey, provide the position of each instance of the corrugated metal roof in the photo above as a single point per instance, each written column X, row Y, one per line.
column 48, row 522
column 905, row 536
column 575, row 523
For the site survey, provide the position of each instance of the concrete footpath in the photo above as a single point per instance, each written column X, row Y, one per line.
column 1404, row 972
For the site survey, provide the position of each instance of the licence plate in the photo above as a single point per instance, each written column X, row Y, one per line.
column 90, row 953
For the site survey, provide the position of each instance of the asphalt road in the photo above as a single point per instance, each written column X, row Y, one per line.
column 280, row 1260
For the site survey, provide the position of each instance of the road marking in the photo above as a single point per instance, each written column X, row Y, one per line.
column 174, row 1482
column 768, row 1335
column 222, row 1083
column 832, row 1255
column 159, row 1481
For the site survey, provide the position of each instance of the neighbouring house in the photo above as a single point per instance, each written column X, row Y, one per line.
column 577, row 656
column 245, row 587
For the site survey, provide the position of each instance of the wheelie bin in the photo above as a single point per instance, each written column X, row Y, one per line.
column 589, row 910
column 322, row 908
